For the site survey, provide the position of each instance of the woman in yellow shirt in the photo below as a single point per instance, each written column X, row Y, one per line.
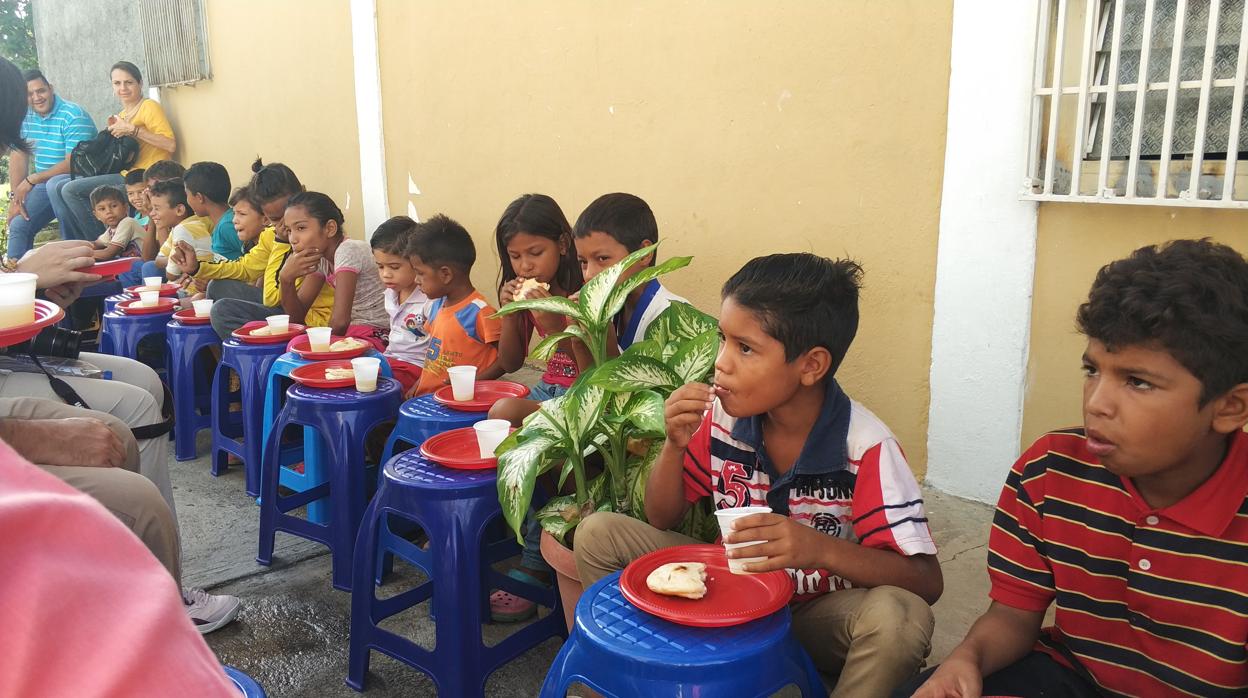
column 140, row 118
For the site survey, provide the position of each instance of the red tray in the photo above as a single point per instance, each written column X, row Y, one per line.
column 165, row 290
column 243, row 334
column 731, row 599
column 163, row 305
column 313, row 375
column 299, row 345
column 46, row 313
column 111, row 267
column 188, row 317
column 457, row 449
column 484, row 395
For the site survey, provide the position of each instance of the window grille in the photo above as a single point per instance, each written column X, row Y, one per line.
column 1103, row 130
column 175, row 41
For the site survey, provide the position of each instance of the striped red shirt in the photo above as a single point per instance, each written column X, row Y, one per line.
column 875, row 501
column 1150, row 602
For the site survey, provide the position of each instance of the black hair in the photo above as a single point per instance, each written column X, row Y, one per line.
column 162, row 170
column 209, row 179
column 173, row 190
column 105, row 192
column 272, row 181
column 130, row 68
column 12, row 107
column 35, row 74
column 802, row 300
column 1188, row 297
column 393, row 236
column 319, row 206
column 441, row 241
column 242, row 194
column 135, row 176
column 625, row 217
column 540, row 215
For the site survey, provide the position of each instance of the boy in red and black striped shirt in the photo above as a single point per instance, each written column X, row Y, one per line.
column 848, row 522
column 1137, row 523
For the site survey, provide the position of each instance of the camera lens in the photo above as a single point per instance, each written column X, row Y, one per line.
column 53, row 341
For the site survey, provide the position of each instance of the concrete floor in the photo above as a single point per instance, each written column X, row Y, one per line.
column 292, row 632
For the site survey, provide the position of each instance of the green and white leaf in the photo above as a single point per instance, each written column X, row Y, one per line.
column 546, row 348
column 695, row 358
column 620, row 293
column 644, row 411
column 678, row 322
column 518, row 469
column 582, row 406
column 551, row 304
column 598, row 291
column 558, row 528
column 633, row 373
column 638, row 474
column 644, row 348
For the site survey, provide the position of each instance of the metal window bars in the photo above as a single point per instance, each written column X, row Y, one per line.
column 1147, row 108
column 175, row 42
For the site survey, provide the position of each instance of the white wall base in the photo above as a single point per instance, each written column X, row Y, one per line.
column 986, row 252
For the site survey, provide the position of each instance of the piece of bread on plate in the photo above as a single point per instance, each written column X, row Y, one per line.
column 347, row 344
column 685, row 579
column 333, row 374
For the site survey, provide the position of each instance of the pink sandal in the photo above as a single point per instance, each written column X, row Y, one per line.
column 506, row 607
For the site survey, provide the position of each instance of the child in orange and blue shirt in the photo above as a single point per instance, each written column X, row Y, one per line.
column 462, row 329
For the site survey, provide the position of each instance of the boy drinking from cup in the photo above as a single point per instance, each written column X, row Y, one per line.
column 776, row 430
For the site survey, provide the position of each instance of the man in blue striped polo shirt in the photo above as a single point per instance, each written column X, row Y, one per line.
column 53, row 127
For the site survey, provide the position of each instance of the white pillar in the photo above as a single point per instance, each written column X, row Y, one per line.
column 368, row 113
column 986, row 252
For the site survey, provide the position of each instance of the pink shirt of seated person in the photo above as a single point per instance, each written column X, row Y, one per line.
column 87, row 610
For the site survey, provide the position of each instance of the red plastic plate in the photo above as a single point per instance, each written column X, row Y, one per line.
column 46, row 313
column 165, row 290
column 299, row 345
column 731, row 599
column 484, row 395
column 188, row 317
column 457, row 449
column 313, row 375
column 163, row 305
column 111, row 267
column 243, row 334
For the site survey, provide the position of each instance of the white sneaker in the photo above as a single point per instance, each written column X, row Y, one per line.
column 209, row 612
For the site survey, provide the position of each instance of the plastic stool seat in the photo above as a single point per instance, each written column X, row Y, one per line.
column 234, row 433
column 342, row 419
column 247, row 686
column 110, row 302
column 190, row 384
column 458, row 510
column 423, row 417
column 620, row 650
column 121, row 334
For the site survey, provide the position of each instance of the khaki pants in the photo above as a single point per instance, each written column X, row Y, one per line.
column 131, row 497
column 874, row 638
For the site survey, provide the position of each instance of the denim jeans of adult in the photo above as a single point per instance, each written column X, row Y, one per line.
column 71, row 199
column 22, row 231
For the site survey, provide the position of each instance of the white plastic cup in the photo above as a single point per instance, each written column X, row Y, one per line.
column 463, row 382
column 148, row 299
column 203, row 307
column 727, row 519
column 366, row 368
column 490, row 433
column 17, row 299
column 153, row 282
column 278, row 324
column 318, row 338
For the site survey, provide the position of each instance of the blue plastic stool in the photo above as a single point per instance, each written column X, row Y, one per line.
column 189, row 382
column 238, row 433
column 619, row 650
column 342, row 418
column 422, row 417
column 120, row 334
column 110, row 303
column 246, row 685
column 313, row 471
column 456, row 509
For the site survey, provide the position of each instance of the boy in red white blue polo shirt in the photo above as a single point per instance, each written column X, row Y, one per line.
column 776, row 429
column 1136, row 524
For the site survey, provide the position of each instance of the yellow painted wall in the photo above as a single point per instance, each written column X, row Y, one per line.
column 750, row 128
column 283, row 88
column 1074, row 242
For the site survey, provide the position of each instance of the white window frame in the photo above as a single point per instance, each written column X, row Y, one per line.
column 1038, row 183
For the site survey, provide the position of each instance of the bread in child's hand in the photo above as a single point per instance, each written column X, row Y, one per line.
column 687, row 579
column 347, row 344
column 527, row 286
column 333, row 374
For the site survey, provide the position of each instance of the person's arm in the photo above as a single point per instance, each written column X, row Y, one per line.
column 298, row 298
column 19, row 164
column 494, row 370
column 683, row 414
column 58, row 263
column 512, row 341
column 1002, row 636
column 149, row 126
column 78, row 441
column 106, row 250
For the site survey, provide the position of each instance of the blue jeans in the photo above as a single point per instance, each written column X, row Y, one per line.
column 71, row 199
column 22, row 231
column 134, row 277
